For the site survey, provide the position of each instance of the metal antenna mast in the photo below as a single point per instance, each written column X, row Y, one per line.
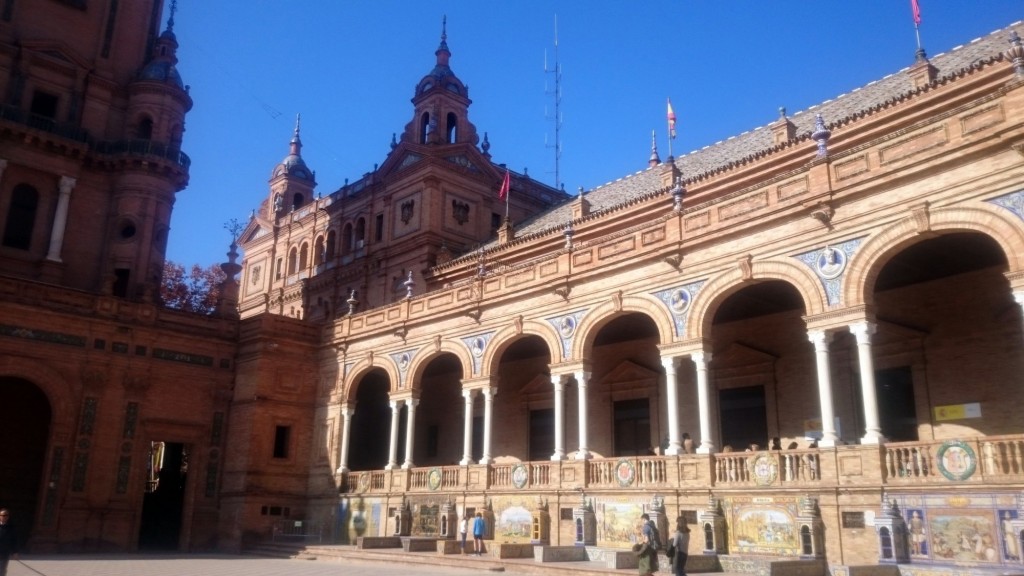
column 557, row 93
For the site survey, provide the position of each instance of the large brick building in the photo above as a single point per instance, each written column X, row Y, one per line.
column 840, row 292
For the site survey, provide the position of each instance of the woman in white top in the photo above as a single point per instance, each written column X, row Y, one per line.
column 681, row 544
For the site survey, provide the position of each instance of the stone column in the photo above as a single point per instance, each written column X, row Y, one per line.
column 410, row 431
column 489, row 393
column 1018, row 296
column 701, row 360
column 346, row 424
column 821, row 340
column 581, row 382
column 60, row 218
column 869, row 396
column 393, row 446
column 559, row 385
column 467, row 427
column 671, row 363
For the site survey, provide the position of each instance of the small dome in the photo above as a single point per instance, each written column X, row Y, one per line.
column 162, row 71
column 293, row 165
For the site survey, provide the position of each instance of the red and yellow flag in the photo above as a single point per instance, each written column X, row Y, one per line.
column 503, row 191
column 916, row 9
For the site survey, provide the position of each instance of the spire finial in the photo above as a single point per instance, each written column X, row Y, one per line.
column 654, row 160
column 296, row 143
column 444, row 27
column 170, row 19
column 821, row 135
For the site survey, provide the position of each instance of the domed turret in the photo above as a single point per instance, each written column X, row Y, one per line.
column 293, row 165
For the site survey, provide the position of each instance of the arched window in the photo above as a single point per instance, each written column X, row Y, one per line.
column 347, row 239
column 424, row 127
column 304, row 256
column 451, row 128
column 332, row 241
column 297, row 201
column 145, row 129
column 318, row 251
column 886, row 541
column 293, row 260
column 360, row 233
column 806, row 548
column 21, row 217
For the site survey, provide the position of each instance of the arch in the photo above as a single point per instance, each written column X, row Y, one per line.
column 318, row 251
column 21, row 217
column 293, row 260
column 424, row 127
column 347, row 238
column 451, row 128
column 506, row 336
column 304, row 256
column 601, row 314
column 58, row 390
column 868, row 262
column 716, row 290
column 298, row 200
column 360, row 232
column 331, row 245
column 423, row 358
column 360, row 369
column 144, row 129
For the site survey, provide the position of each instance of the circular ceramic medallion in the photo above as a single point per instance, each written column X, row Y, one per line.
column 957, row 460
column 680, row 301
column 519, row 476
column 567, row 326
column 625, row 472
column 363, row 483
column 434, row 478
column 831, row 262
column 764, row 469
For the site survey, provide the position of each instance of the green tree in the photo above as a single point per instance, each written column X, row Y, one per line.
column 195, row 290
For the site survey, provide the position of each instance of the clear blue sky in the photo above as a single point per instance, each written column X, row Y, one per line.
column 349, row 68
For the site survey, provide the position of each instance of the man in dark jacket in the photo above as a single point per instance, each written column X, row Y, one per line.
column 8, row 541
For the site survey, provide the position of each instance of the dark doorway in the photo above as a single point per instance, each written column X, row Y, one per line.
column 165, row 495
column 743, row 416
column 370, row 430
column 27, row 419
column 633, row 427
column 542, row 434
column 897, row 412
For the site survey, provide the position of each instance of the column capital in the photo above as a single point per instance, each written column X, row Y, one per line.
column 701, row 358
column 347, row 411
column 489, row 392
column 469, row 393
column 671, row 362
column 863, row 331
column 820, row 338
column 66, row 184
column 1018, row 296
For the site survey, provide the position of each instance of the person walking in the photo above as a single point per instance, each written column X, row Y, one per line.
column 651, row 545
column 478, row 533
column 463, row 528
column 8, row 540
column 680, row 547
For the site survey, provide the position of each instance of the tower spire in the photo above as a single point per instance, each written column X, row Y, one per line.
column 170, row 19
column 296, row 143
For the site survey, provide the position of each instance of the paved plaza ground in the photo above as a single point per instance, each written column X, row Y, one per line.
column 218, row 565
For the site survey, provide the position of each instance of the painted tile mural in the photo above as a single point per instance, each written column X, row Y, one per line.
column 513, row 518
column 364, row 517
column 763, row 525
column 618, row 523
column 964, row 529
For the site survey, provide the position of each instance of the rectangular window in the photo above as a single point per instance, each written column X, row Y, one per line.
column 378, row 228
column 277, row 267
column 121, row 277
column 44, row 104
column 282, row 436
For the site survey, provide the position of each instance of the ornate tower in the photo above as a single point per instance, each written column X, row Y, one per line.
column 441, row 114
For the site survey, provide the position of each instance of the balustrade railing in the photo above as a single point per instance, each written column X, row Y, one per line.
column 997, row 459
